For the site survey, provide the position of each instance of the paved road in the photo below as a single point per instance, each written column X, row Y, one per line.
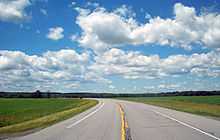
column 155, row 123
column 146, row 122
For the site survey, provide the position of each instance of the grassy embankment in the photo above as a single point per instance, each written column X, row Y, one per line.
column 19, row 115
column 201, row 105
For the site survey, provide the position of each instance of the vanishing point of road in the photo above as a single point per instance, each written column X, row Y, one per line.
column 124, row 120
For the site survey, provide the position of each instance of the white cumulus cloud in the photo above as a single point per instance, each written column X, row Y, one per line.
column 67, row 68
column 55, row 33
column 104, row 29
column 133, row 65
column 64, row 67
column 13, row 10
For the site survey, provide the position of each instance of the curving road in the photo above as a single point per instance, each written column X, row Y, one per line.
column 110, row 119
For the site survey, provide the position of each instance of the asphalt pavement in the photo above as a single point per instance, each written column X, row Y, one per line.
column 144, row 122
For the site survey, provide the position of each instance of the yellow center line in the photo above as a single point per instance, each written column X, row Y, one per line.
column 126, row 124
column 123, row 123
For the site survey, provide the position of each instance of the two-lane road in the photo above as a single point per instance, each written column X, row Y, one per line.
column 146, row 122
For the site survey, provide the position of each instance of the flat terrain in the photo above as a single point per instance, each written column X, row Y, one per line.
column 145, row 122
column 22, row 114
column 201, row 105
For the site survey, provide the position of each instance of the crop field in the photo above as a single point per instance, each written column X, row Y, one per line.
column 201, row 105
column 23, row 114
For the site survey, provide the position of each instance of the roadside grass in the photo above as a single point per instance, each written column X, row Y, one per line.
column 201, row 105
column 19, row 115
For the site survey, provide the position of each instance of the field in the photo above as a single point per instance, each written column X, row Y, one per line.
column 201, row 105
column 17, row 115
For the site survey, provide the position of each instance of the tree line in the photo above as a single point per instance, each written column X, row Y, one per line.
column 39, row 94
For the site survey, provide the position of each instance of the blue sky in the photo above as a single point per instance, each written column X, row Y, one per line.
column 109, row 46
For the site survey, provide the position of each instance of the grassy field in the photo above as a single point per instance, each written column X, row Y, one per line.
column 17, row 115
column 201, row 105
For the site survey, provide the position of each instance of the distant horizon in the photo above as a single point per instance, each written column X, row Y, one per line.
column 108, row 92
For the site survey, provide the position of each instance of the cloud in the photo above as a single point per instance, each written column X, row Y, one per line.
column 168, row 86
column 51, row 70
column 97, row 32
column 64, row 67
column 111, row 87
column 125, row 11
column 134, row 65
column 69, row 69
column 55, row 33
column 13, row 10
column 74, row 37
column 73, row 3
column 147, row 16
column 92, row 4
column 104, row 29
column 44, row 12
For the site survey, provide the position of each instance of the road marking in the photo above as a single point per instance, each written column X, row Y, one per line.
column 90, row 114
column 187, row 125
column 122, row 122
column 125, row 131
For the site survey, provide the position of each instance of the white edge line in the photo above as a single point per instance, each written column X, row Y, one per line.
column 90, row 114
column 187, row 125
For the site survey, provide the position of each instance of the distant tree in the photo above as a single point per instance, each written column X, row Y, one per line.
column 48, row 94
column 37, row 94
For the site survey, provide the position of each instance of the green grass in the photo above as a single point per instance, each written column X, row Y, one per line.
column 18, row 115
column 201, row 105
